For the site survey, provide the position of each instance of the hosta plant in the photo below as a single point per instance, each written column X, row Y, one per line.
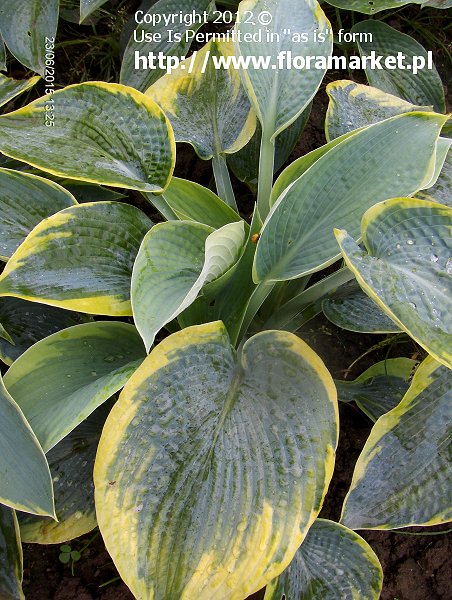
column 212, row 465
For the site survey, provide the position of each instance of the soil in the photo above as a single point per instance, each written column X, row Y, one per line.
column 416, row 567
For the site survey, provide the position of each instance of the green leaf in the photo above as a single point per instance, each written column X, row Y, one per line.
column 424, row 87
column 193, row 202
column 175, row 261
column 407, row 269
column 65, row 548
column 11, row 569
column 438, row 4
column 280, row 95
column 142, row 78
column 402, row 476
column 25, row 200
column 440, row 191
column 245, row 163
column 87, row 7
column 25, row 26
column 370, row 7
column 380, row 388
column 353, row 105
column 29, row 322
column 64, row 557
column 220, row 463
column 394, row 157
column 230, row 305
column 81, row 259
column 117, row 136
column 71, row 464
column 207, row 107
column 78, row 369
column 333, row 562
column 25, row 481
column 298, row 167
column 10, row 88
column 350, row 308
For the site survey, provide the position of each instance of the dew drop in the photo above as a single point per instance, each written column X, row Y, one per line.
column 412, row 304
column 449, row 266
column 94, row 373
column 410, row 242
column 434, row 258
column 398, row 246
column 138, row 508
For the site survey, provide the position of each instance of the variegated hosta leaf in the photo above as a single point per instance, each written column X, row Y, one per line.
column 175, row 261
column 394, row 156
column 28, row 322
column 11, row 568
column 25, row 200
column 118, row 136
column 25, row 26
column 245, row 163
column 294, row 27
column 441, row 190
column 25, row 481
column 350, row 308
column 407, row 270
column 353, row 105
column 380, row 388
column 402, row 476
column 161, row 41
column 71, row 464
column 207, row 107
column 87, row 7
column 211, row 468
column 333, row 563
column 78, row 369
column 193, row 202
column 369, row 8
column 424, row 87
column 81, row 259
column 10, row 88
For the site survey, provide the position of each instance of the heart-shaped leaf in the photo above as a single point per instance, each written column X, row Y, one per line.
column 117, row 136
column 278, row 94
column 26, row 25
column 402, row 476
column 53, row 266
column 207, row 106
column 10, row 88
column 172, row 37
column 380, row 388
column 407, row 270
column 350, row 308
column 71, row 464
column 176, row 259
column 25, row 200
column 78, row 369
column 25, row 481
column 353, row 105
column 28, row 322
column 11, row 567
column 219, row 464
column 394, row 157
column 333, row 562
column 424, row 87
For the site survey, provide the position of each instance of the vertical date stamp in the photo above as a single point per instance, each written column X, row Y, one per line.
column 49, row 79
